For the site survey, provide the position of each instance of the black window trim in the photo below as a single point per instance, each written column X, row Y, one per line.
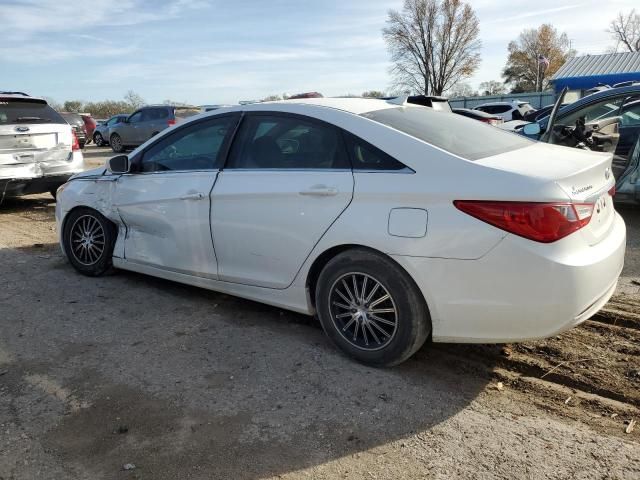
column 272, row 113
column 136, row 161
column 346, row 134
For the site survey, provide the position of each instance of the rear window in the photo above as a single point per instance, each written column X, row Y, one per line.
column 186, row 112
column 450, row 132
column 14, row 111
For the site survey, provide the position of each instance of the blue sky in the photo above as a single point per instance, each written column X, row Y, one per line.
column 212, row 51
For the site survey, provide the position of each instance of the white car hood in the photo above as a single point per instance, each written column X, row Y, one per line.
column 94, row 172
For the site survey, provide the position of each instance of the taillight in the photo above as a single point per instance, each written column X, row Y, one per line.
column 75, row 145
column 612, row 191
column 171, row 122
column 541, row 222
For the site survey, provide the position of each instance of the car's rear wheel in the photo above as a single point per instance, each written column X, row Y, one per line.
column 88, row 240
column 371, row 309
column 116, row 143
column 97, row 139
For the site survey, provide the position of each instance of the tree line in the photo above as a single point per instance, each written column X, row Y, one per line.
column 434, row 47
column 106, row 108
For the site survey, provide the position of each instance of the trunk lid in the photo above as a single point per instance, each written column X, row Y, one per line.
column 584, row 176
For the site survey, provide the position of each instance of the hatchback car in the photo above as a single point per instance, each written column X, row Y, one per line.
column 38, row 149
column 507, row 110
column 393, row 222
column 101, row 133
column 145, row 123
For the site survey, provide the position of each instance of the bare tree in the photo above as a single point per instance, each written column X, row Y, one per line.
column 433, row 44
column 492, row 87
column 625, row 30
column 534, row 57
column 461, row 89
column 134, row 100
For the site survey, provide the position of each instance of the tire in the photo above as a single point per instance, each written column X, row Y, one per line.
column 406, row 328
column 116, row 143
column 97, row 139
column 85, row 225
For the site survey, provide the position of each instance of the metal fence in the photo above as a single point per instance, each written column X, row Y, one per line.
column 536, row 99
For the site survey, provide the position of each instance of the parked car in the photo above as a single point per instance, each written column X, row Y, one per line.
column 507, row 110
column 440, row 104
column 145, row 123
column 623, row 102
column 535, row 115
column 101, row 133
column 77, row 123
column 89, row 125
column 392, row 222
column 479, row 115
column 39, row 151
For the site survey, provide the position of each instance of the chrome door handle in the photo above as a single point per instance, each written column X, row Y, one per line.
column 193, row 196
column 320, row 191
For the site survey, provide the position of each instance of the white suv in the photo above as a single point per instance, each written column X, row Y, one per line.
column 507, row 110
column 38, row 149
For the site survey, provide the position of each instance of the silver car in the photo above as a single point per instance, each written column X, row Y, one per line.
column 39, row 151
column 145, row 123
column 101, row 133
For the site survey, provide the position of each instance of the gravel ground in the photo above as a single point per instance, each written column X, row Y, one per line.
column 185, row 383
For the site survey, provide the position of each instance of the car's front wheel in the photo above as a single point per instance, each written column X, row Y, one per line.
column 97, row 139
column 371, row 309
column 116, row 143
column 88, row 240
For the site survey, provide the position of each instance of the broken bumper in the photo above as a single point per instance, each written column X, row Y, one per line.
column 38, row 177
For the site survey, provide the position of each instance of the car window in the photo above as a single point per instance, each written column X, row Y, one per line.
column 113, row 121
column 450, row 132
column 631, row 113
column 596, row 111
column 155, row 114
column 487, row 109
column 136, row 117
column 196, row 147
column 501, row 109
column 365, row 156
column 14, row 111
column 287, row 142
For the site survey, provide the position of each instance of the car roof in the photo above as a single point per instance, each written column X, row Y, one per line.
column 356, row 106
column 20, row 96
column 497, row 104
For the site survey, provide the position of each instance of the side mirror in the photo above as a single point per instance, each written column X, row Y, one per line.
column 119, row 164
column 532, row 129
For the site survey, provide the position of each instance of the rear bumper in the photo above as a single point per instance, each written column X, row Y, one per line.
column 38, row 177
column 520, row 290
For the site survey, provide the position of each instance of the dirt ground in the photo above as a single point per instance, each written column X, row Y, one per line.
column 184, row 383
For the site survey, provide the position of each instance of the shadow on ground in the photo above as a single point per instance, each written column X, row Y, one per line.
column 188, row 383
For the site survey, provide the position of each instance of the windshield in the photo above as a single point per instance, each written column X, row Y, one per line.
column 14, row 111
column 454, row 133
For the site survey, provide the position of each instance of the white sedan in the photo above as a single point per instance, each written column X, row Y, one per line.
column 392, row 222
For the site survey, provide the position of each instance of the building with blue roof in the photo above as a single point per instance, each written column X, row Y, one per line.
column 582, row 73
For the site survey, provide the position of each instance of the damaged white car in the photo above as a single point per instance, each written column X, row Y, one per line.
column 393, row 222
column 38, row 149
